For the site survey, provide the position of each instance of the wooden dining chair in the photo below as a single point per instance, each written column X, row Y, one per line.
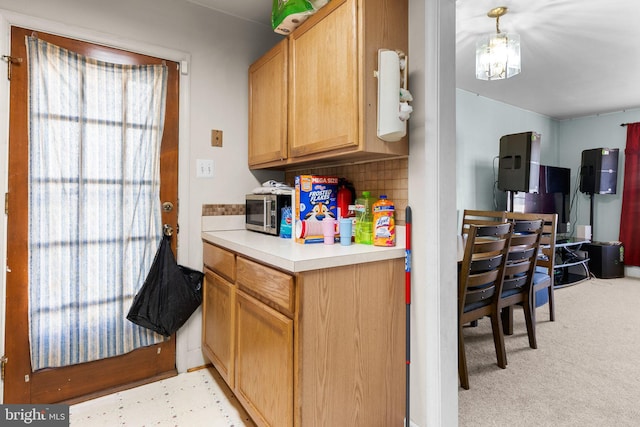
column 543, row 279
column 517, row 285
column 481, row 217
column 479, row 286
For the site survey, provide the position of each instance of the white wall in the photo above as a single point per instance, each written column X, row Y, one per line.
column 219, row 49
column 584, row 133
column 480, row 122
column 432, row 189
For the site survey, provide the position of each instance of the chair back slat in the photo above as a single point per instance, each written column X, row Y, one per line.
column 521, row 255
column 483, row 279
column 475, row 295
column 514, row 282
column 481, row 217
column 488, row 246
column 485, row 263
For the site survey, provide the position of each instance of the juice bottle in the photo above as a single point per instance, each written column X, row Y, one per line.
column 384, row 227
column 364, row 219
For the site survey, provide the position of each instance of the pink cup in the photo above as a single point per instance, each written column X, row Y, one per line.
column 329, row 230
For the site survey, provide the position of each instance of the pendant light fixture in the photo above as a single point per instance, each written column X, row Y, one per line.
column 497, row 55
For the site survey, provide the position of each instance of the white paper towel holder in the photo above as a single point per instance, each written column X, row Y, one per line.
column 393, row 96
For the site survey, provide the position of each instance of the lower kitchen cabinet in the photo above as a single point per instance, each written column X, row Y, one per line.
column 322, row 347
column 218, row 331
column 264, row 362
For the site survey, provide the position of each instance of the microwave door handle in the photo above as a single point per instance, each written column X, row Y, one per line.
column 267, row 213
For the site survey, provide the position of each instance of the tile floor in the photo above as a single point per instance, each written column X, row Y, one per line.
column 197, row 398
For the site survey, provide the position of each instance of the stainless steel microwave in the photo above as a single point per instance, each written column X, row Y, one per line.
column 263, row 212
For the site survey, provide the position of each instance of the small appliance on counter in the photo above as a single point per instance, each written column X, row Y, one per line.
column 263, row 207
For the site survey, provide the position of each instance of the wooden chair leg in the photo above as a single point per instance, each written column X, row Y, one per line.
column 507, row 320
column 463, row 373
column 552, row 305
column 530, row 320
column 498, row 340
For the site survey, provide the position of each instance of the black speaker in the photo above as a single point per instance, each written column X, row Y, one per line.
column 599, row 171
column 519, row 163
column 606, row 261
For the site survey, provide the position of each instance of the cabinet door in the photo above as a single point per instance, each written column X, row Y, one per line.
column 264, row 362
column 268, row 107
column 218, row 323
column 324, row 83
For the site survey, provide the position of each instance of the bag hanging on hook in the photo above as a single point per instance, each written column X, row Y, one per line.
column 170, row 293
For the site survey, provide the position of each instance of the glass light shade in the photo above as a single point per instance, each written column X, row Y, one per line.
column 498, row 56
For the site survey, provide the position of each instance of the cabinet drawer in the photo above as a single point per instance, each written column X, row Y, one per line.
column 272, row 285
column 221, row 261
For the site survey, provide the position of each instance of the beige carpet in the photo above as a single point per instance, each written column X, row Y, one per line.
column 585, row 372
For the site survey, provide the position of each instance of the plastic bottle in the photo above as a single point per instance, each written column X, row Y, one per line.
column 384, row 227
column 352, row 215
column 364, row 219
column 344, row 200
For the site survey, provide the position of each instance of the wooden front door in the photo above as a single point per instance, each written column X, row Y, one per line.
column 85, row 380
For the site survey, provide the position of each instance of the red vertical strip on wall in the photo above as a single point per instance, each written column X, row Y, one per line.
column 630, row 216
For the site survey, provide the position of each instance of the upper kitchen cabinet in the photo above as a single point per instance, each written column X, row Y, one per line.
column 268, row 107
column 332, row 88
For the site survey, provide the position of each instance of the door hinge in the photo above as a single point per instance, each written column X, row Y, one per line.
column 3, row 361
column 6, row 203
column 10, row 61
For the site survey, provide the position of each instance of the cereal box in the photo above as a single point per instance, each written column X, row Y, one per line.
column 316, row 198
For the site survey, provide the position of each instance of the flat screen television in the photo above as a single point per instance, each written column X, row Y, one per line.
column 553, row 196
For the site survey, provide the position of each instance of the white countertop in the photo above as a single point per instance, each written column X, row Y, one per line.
column 297, row 257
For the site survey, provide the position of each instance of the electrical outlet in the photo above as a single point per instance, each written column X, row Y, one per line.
column 204, row 168
column 216, row 138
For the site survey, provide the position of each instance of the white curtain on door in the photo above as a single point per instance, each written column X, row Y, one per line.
column 95, row 131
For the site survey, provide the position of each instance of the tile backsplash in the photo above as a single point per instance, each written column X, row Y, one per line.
column 219, row 210
column 390, row 177
column 222, row 217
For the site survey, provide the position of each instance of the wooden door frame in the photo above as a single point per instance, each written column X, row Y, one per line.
column 169, row 349
column 5, row 46
column 9, row 18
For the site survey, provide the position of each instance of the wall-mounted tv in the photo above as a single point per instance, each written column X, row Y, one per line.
column 553, row 196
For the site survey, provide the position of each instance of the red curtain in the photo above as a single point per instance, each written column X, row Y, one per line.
column 630, row 216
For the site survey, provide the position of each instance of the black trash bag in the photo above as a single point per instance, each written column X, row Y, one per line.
column 169, row 296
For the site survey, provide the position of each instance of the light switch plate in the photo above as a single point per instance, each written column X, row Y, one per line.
column 216, row 138
column 204, row 168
